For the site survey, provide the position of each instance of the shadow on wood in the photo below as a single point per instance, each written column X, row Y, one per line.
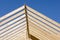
column 33, row 38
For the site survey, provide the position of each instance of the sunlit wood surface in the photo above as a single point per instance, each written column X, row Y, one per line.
column 13, row 26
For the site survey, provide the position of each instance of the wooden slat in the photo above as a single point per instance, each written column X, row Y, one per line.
column 11, row 13
column 43, row 26
column 14, row 35
column 12, row 30
column 43, row 21
column 12, row 26
column 12, row 22
column 36, row 28
column 5, row 21
column 41, row 33
column 46, row 18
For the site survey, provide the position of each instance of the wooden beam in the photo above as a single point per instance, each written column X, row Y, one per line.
column 27, row 23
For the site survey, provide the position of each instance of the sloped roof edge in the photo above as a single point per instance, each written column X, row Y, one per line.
column 22, row 7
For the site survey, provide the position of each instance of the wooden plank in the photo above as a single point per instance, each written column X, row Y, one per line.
column 14, row 35
column 12, row 26
column 12, row 22
column 29, row 13
column 11, row 13
column 41, row 33
column 43, row 16
column 48, row 29
column 5, row 21
column 27, row 23
column 3, row 34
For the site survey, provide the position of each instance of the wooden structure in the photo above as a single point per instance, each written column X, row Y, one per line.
column 25, row 23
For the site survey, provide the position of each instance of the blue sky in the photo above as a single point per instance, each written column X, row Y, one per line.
column 50, row 8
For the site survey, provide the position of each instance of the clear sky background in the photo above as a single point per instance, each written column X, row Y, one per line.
column 50, row 8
